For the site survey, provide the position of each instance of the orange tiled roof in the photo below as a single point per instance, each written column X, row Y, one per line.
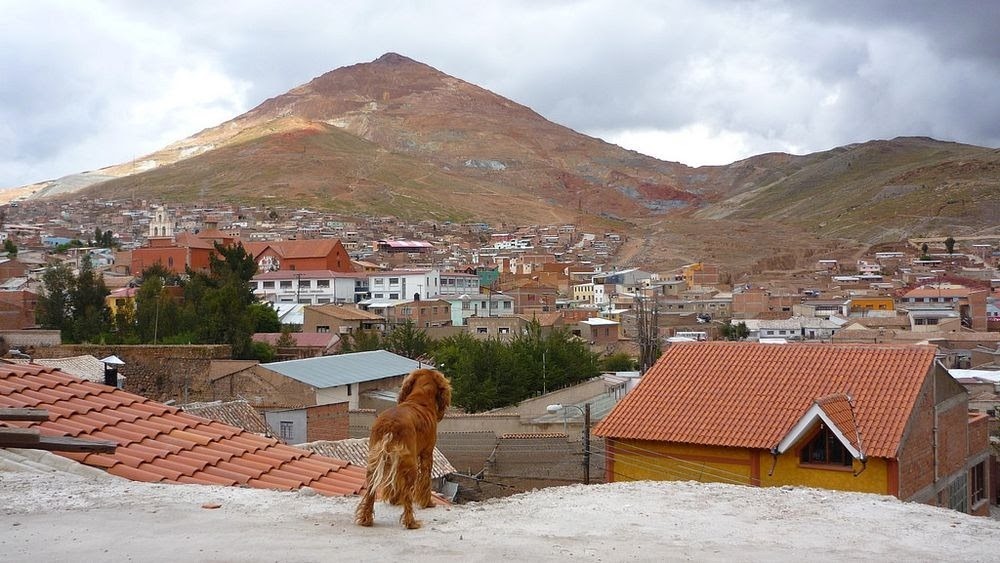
column 159, row 443
column 838, row 408
column 750, row 395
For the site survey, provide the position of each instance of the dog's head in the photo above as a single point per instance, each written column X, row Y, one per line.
column 427, row 387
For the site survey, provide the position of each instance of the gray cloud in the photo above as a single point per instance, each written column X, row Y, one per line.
column 85, row 85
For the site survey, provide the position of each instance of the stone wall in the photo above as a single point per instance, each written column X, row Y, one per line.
column 160, row 373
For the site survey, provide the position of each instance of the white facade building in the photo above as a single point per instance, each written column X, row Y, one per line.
column 404, row 284
column 310, row 287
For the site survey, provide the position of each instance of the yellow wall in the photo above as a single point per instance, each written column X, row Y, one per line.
column 788, row 471
column 879, row 303
column 660, row 461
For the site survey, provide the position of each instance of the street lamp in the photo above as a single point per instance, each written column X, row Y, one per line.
column 585, row 411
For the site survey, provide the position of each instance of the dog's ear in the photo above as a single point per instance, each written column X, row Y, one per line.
column 407, row 387
column 443, row 394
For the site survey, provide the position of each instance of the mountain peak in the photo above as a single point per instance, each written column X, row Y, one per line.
column 393, row 59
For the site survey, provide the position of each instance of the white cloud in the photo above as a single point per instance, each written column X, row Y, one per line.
column 95, row 83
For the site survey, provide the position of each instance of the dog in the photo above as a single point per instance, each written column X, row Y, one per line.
column 401, row 448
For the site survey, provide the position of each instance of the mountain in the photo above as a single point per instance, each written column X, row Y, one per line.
column 396, row 136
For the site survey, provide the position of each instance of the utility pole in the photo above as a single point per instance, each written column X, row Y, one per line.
column 586, row 444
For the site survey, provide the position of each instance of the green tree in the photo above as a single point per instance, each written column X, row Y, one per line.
column 9, row 247
column 738, row 331
column 619, row 361
column 360, row 341
column 949, row 245
column 54, row 309
column 123, row 322
column 156, row 313
column 264, row 318
column 286, row 340
column 487, row 374
column 217, row 304
column 407, row 340
column 91, row 317
column 923, row 251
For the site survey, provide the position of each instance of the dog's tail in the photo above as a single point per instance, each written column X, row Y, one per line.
column 383, row 469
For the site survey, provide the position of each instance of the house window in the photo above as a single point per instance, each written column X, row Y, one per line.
column 286, row 430
column 323, row 283
column 481, row 330
column 322, row 329
column 286, row 284
column 977, row 482
column 268, row 285
column 393, row 281
column 825, row 449
column 348, row 389
column 504, row 330
column 958, row 494
column 393, row 296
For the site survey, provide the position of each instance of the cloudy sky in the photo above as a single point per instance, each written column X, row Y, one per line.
column 85, row 84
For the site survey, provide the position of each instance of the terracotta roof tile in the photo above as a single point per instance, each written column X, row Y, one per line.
column 750, row 395
column 157, row 442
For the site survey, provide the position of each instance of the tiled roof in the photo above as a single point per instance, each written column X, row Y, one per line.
column 85, row 367
column 345, row 313
column 235, row 413
column 838, row 408
column 312, row 248
column 750, row 395
column 159, row 443
column 300, row 339
column 355, row 450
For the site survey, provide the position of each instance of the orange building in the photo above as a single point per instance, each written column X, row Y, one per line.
column 885, row 419
column 313, row 254
column 185, row 250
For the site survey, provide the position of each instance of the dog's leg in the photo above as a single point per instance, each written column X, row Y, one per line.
column 409, row 477
column 364, row 514
column 423, row 487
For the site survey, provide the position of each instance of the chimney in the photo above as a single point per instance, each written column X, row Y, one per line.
column 111, row 375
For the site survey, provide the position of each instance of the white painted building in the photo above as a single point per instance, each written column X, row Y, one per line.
column 310, row 287
column 404, row 284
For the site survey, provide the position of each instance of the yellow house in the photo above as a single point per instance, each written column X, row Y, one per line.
column 119, row 297
column 867, row 418
column 861, row 304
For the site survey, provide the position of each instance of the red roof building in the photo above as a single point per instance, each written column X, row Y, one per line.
column 160, row 443
column 884, row 419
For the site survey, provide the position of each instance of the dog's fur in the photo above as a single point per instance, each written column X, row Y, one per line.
column 401, row 448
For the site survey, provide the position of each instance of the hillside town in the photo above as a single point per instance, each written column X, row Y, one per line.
column 846, row 347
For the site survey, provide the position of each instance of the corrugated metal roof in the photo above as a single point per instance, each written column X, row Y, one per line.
column 331, row 371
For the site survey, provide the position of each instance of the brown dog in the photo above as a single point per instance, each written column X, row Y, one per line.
column 401, row 448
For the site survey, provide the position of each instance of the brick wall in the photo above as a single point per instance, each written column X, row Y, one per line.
column 327, row 422
column 160, row 373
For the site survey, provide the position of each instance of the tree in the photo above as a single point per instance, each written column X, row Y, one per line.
column 54, row 309
column 286, row 340
column 619, row 361
column 91, row 317
column 923, row 251
column 949, row 245
column 407, row 340
column 156, row 313
column 360, row 341
column 265, row 319
column 738, row 331
column 9, row 247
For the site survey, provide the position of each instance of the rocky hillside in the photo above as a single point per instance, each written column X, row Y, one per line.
column 395, row 136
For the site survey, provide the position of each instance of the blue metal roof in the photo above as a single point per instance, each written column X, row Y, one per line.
column 332, row 371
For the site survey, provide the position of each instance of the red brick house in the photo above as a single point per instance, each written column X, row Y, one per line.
column 299, row 255
column 885, row 419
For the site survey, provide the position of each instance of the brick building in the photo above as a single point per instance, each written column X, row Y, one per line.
column 885, row 419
